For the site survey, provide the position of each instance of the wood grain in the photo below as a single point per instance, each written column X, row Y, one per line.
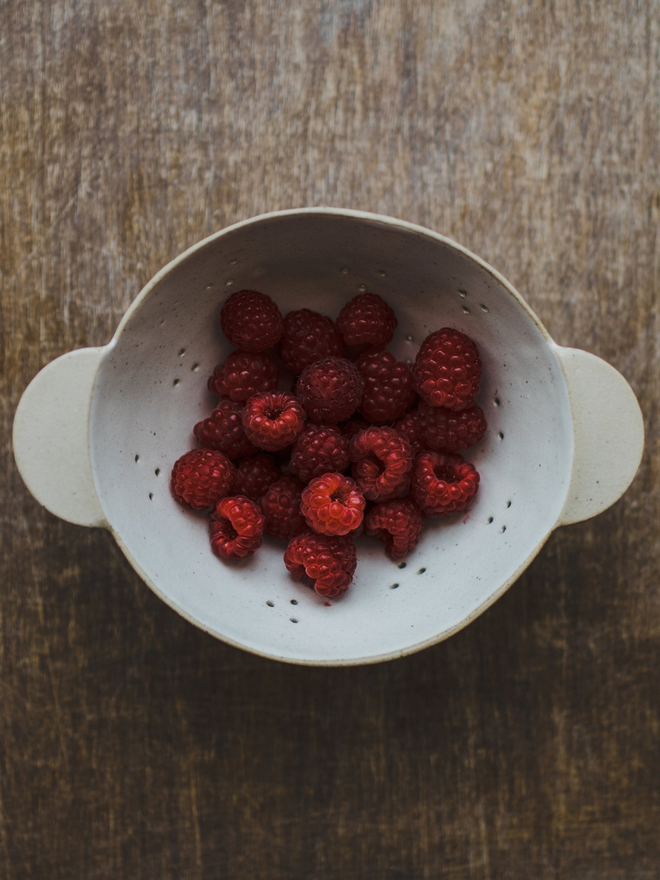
column 132, row 744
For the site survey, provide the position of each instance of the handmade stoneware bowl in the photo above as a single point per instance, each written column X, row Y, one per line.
column 98, row 430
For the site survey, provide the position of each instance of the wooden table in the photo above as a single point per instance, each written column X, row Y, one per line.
column 132, row 744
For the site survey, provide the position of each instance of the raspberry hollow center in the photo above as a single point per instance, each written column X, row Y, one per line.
column 444, row 473
column 376, row 466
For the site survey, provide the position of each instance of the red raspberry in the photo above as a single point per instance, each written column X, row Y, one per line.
column 398, row 523
column 281, row 507
column 224, row 431
column 236, row 528
column 382, row 460
column 251, row 320
column 254, row 475
column 401, row 492
column 388, row 386
column 447, row 370
column 308, row 336
column 442, row 484
column 317, row 451
column 333, row 505
column 273, row 419
column 367, row 318
column 328, row 561
column 330, row 390
column 442, row 429
column 243, row 374
column 201, row 477
column 407, row 427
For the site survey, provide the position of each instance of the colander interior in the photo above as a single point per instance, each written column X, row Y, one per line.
column 151, row 390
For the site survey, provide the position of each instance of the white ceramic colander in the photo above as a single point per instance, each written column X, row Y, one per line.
column 97, row 431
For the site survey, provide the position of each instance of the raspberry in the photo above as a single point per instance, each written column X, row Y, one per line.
column 442, row 484
column 447, row 370
column 353, row 426
column 308, row 336
column 382, row 460
column 328, row 561
column 401, row 492
column 224, row 431
column 251, row 320
column 367, row 318
column 442, row 429
column 408, row 428
column 201, row 477
column 281, row 508
column 254, row 475
column 330, row 390
column 333, row 505
column 243, row 374
column 273, row 419
column 317, row 451
column 236, row 528
column 388, row 386
column 398, row 523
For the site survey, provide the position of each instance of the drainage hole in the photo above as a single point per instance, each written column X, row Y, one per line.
column 151, row 496
column 421, row 570
column 465, row 310
column 362, row 287
column 496, row 401
column 502, row 530
column 182, row 352
column 137, row 457
column 176, row 382
column 229, row 282
column 409, row 338
column 270, row 604
column 157, row 472
column 483, row 307
column 489, row 520
column 195, row 368
column 462, row 293
column 500, row 435
column 344, row 271
column 402, row 565
column 294, row 601
column 208, row 286
column 382, row 273
column 293, row 619
column 393, row 586
column 508, row 504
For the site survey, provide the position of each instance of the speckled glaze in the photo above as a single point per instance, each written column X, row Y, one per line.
column 97, row 431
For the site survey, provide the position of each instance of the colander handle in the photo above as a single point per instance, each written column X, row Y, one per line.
column 51, row 437
column 608, row 434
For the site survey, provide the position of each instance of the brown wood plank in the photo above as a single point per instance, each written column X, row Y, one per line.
column 132, row 744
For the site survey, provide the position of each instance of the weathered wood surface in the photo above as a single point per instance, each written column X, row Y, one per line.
column 133, row 745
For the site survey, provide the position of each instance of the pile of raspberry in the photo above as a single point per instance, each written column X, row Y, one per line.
column 361, row 442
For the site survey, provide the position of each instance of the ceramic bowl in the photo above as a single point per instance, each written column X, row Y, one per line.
column 98, row 430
